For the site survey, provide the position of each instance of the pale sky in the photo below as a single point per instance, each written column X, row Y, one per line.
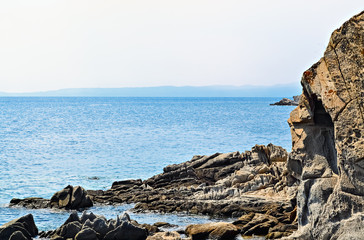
column 54, row 44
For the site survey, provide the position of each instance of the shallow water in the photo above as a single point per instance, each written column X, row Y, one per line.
column 48, row 143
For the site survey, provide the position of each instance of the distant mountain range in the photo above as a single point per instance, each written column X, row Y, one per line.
column 284, row 90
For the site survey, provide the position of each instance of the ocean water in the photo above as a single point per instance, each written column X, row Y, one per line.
column 48, row 143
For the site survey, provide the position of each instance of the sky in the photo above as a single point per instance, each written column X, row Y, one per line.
column 53, row 44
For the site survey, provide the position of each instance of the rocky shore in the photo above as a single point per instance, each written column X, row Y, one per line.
column 315, row 192
column 253, row 187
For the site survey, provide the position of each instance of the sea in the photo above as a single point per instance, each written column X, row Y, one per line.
column 47, row 143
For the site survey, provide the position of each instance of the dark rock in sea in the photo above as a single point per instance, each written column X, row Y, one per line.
column 19, row 229
column 328, row 144
column 32, row 202
column 93, row 227
column 68, row 198
column 71, row 198
column 288, row 102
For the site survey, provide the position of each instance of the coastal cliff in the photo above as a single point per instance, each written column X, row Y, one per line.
column 327, row 139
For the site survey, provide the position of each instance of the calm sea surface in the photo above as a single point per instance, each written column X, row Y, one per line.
column 48, row 143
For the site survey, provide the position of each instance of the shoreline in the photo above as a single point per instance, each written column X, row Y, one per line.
column 254, row 186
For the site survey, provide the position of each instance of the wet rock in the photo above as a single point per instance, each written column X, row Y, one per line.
column 327, row 131
column 25, row 225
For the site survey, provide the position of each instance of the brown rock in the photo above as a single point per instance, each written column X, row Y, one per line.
column 219, row 230
column 328, row 139
column 165, row 236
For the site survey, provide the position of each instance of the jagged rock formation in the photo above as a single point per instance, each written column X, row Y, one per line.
column 225, row 185
column 328, row 139
column 68, row 198
column 94, row 227
column 22, row 228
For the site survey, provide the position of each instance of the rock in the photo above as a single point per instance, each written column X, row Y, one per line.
column 327, row 135
column 243, row 220
column 71, row 198
column 288, row 102
column 69, row 230
column 164, row 225
column 126, row 231
column 18, row 235
column 95, row 227
column 73, row 217
column 32, row 202
column 25, row 225
column 165, row 236
column 221, row 230
column 86, row 234
column 126, row 184
column 87, row 216
column 259, row 224
column 68, row 198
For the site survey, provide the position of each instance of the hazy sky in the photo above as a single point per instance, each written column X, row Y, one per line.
column 53, row 44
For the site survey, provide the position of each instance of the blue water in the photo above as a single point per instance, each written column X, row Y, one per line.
column 48, row 143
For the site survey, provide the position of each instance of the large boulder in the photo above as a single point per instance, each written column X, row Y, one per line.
column 20, row 228
column 126, row 231
column 165, row 236
column 71, row 198
column 218, row 231
column 328, row 139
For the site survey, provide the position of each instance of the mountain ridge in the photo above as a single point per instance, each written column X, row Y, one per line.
column 169, row 91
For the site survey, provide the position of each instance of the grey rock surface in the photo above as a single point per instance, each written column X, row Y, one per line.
column 328, row 139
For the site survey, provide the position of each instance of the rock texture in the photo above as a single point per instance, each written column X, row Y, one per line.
column 328, row 139
column 22, row 228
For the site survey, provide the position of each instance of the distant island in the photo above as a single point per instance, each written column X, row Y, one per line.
column 282, row 90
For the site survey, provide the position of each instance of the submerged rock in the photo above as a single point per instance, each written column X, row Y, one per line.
column 328, row 144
